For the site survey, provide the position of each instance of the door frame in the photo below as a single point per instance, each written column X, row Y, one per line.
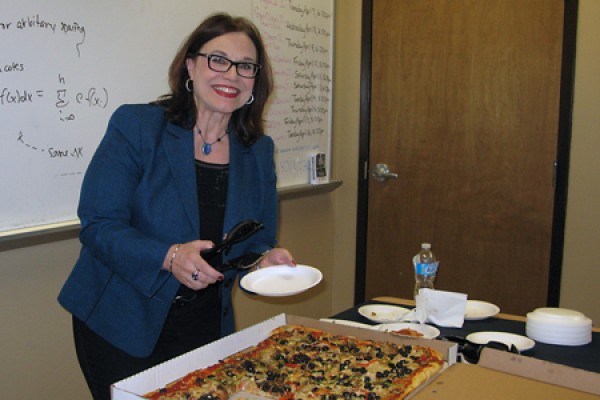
column 561, row 178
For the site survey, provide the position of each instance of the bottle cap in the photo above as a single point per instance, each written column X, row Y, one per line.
column 425, row 245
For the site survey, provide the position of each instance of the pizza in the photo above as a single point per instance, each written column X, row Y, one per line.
column 297, row 362
column 407, row 332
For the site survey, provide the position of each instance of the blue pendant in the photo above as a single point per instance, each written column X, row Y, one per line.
column 206, row 149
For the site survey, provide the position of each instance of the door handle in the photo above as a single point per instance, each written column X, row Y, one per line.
column 382, row 173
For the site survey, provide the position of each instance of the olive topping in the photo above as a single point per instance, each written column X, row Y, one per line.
column 207, row 397
column 272, row 375
column 372, row 396
column 248, row 366
column 361, row 370
column 277, row 389
column 405, row 351
column 300, row 358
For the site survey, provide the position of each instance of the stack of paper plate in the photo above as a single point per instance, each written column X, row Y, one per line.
column 559, row 326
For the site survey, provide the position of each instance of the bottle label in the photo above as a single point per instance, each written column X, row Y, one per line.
column 427, row 269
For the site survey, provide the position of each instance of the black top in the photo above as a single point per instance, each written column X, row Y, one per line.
column 211, row 182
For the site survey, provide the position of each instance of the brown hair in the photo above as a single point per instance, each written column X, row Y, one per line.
column 179, row 104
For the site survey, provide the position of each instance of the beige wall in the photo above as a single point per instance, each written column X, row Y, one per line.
column 35, row 337
column 36, row 349
column 580, row 288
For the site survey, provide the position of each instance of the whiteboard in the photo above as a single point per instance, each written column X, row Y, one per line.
column 66, row 65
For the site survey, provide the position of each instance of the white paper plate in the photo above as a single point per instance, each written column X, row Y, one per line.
column 555, row 313
column 428, row 331
column 382, row 313
column 522, row 343
column 477, row 310
column 281, row 280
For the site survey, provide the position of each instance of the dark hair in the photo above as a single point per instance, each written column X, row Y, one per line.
column 179, row 104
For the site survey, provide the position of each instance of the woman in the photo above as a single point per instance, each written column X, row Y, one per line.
column 166, row 181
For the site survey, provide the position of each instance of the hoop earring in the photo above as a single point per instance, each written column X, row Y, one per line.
column 189, row 85
column 251, row 100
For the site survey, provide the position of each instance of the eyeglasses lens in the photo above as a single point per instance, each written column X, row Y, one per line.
column 222, row 64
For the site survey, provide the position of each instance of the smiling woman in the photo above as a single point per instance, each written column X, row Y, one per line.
column 154, row 271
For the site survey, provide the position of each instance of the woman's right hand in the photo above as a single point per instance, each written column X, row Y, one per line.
column 187, row 265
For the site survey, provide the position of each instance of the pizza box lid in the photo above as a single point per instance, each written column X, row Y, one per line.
column 134, row 387
column 501, row 375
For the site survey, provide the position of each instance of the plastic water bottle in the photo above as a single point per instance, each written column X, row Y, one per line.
column 426, row 266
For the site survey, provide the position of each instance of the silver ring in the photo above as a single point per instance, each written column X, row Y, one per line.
column 195, row 275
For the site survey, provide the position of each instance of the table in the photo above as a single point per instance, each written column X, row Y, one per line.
column 585, row 357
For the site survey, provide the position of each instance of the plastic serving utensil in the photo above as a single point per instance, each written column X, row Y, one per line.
column 240, row 232
column 246, row 261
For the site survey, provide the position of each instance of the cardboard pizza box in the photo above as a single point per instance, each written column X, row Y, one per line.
column 147, row 381
column 502, row 375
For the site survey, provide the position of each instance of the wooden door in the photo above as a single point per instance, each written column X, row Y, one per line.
column 464, row 108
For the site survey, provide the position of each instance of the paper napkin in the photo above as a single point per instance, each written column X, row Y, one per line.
column 439, row 307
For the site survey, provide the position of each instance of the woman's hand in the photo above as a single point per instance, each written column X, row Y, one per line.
column 277, row 256
column 186, row 264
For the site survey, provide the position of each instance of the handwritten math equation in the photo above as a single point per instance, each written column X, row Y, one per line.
column 64, row 99
column 90, row 97
column 68, row 103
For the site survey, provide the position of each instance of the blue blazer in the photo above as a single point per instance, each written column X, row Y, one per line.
column 138, row 198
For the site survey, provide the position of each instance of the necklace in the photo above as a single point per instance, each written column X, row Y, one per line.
column 207, row 147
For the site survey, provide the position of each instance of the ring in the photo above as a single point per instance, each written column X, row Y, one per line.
column 195, row 275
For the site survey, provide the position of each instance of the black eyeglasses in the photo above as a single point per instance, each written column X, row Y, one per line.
column 223, row 64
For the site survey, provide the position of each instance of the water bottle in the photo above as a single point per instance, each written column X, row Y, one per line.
column 426, row 267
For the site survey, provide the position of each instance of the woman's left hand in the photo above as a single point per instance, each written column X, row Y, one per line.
column 277, row 256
